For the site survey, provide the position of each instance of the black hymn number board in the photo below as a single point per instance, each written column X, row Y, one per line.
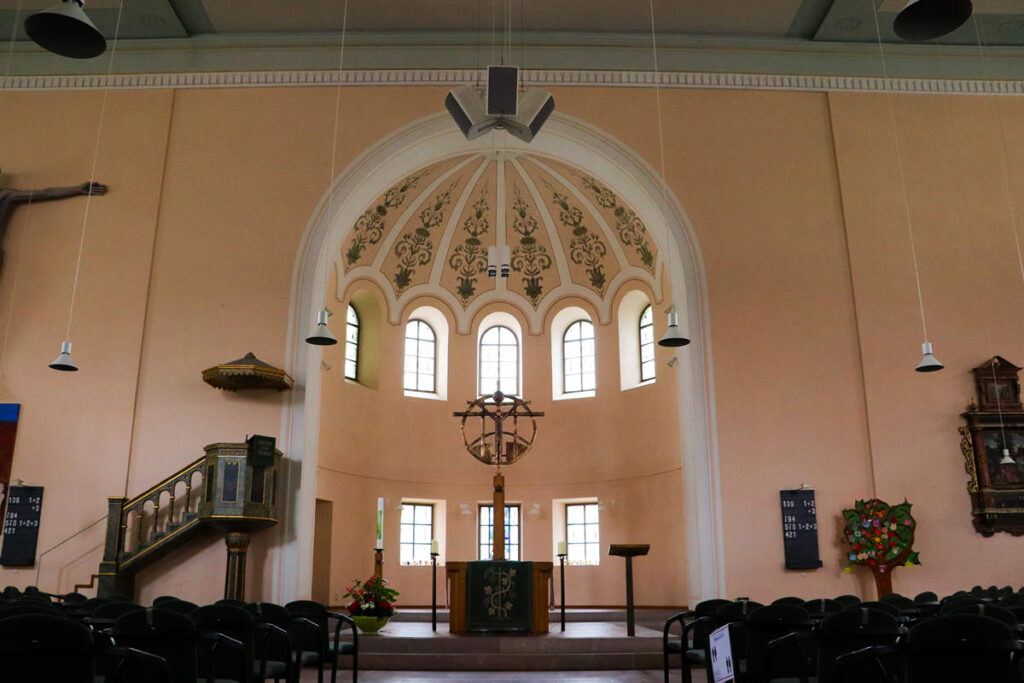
column 21, row 526
column 800, row 529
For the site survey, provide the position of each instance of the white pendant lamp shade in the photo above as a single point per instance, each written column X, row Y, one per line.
column 673, row 337
column 930, row 19
column 63, row 362
column 929, row 363
column 321, row 335
column 66, row 30
column 1007, row 460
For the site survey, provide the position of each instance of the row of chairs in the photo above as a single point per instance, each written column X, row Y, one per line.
column 895, row 639
column 174, row 640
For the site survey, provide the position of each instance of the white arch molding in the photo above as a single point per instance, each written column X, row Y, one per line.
column 579, row 144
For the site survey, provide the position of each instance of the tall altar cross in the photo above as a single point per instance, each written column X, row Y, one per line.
column 497, row 412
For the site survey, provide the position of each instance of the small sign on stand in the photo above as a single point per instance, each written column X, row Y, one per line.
column 722, row 666
column 800, row 529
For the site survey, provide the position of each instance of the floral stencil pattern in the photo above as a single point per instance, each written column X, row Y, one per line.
column 469, row 259
column 416, row 248
column 529, row 259
column 585, row 248
column 632, row 231
column 369, row 228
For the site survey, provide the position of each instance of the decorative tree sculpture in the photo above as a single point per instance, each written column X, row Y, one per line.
column 880, row 536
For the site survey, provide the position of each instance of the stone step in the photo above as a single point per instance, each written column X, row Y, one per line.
column 605, row 661
column 648, row 617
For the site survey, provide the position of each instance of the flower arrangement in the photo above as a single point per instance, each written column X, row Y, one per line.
column 371, row 598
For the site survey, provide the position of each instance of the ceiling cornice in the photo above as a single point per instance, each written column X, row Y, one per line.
column 541, row 51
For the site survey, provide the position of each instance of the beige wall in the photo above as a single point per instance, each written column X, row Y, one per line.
column 797, row 205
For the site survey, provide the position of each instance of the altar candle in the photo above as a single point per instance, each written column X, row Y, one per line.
column 433, row 547
column 562, row 548
column 380, row 524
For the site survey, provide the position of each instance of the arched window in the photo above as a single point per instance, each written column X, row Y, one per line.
column 578, row 367
column 647, row 344
column 352, row 344
column 420, row 357
column 499, row 361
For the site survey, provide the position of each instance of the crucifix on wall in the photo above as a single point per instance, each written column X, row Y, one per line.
column 11, row 199
column 502, row 441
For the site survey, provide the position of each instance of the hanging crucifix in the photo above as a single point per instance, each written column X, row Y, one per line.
column 11, row 199
column 507, row 432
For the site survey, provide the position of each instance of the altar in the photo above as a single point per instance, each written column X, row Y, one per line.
column 491, row 596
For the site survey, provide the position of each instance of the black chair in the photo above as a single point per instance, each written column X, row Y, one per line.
column 789, row 600
column 174, row 638
column 692, row 644
column 891, row 610
column 994, row 611
column 329, row 647
column 765, row 625
column 239, row 624
column 847, row 600
column 1014, row 603
column 954, row 603
column 46, row 647
column 27, row 607
column 849, row 631
column 105, row 616
column 958, row 647
column 819, row 607
column 180, row 606
column 735, row 614
column 926, row 597
column 158, row 601
column 297, row 629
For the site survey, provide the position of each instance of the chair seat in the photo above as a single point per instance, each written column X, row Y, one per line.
column 674, row 646
column 274, row 669
column 308, row 657
column 342, row 647
column 698, row 657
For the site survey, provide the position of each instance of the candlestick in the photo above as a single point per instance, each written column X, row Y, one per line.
column 562, row 550
column 380, row 523
column 433, row 547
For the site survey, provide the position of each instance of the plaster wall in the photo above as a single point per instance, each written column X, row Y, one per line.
column 798, row 208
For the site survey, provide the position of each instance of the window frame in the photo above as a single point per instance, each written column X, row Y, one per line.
column 583, row 390
column 640, row 339
column 480, row 359
column 480, row 527
column 358, row 327
column 414, row 543
column 569, row 544
column 418, row 358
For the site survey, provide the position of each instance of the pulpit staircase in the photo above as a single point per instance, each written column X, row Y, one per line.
column 226, row 489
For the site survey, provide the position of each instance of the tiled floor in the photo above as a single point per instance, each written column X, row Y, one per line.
column 309, row 676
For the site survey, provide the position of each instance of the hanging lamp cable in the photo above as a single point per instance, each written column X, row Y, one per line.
column 1008, row 179
column 657, row 99
column 903, row 180
column 92, row 171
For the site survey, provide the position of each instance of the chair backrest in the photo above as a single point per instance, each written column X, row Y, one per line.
column 236, row 623
column 45, row 647
column 702, row 631
column 179, row 606
column 819, row 607
column 269, row 613
column 315, row 612
column 891, row 610
column 766, row 624
column 90, row 605
column 789, row 600
column 850, row 630
column 847, row 600
column 114, row 610
column 926, row 596
column 954, row 603
column 735, row 614
column 158, row 601
column 994, row 611
column 163, row 633
column 231, row 602
column 960, row 647
column 27, row 607
column 900, row 602
column 74, row 598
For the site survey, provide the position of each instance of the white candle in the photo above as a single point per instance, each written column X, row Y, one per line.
column 380, row 524
column 433, row 547
column 562, row 548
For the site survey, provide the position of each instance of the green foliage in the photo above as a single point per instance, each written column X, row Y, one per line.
column 372, row 598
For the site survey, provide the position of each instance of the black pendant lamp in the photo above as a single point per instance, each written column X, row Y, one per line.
column 930, row 19
column 66, row 30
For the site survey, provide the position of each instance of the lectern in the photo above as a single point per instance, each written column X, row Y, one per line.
column 629, row 551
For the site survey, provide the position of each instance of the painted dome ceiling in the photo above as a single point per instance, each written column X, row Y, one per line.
column 568, row 233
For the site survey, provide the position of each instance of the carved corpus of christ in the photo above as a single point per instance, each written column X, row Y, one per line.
column 11, row 199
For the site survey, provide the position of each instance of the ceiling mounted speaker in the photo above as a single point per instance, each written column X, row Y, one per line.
column 930, row 19
column 66, row 30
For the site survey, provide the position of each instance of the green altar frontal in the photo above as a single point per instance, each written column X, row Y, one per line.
column 499, row 596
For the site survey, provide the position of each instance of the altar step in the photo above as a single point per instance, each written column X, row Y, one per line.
column 603, row 646
column 652, row 618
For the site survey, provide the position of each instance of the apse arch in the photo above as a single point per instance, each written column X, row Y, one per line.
column 566, row 139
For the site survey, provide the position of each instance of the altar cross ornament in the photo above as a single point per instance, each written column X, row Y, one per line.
column 498, row 445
